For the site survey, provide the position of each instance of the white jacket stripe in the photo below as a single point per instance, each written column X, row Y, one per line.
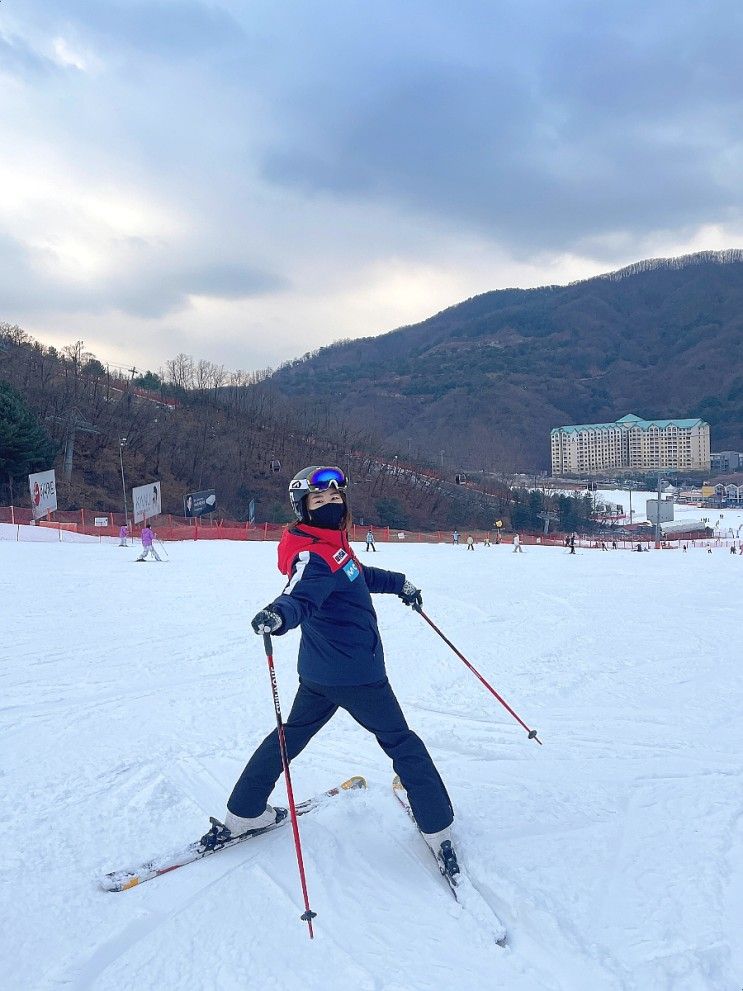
column 303, row 559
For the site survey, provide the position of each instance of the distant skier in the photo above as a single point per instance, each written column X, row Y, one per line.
column 123, row 535
column 517, row 544
column 147, row 536
column 486, row 541
column 470, row 542
column 571, row 542
column 370, row 545
column 455, row 537
column 341, row 661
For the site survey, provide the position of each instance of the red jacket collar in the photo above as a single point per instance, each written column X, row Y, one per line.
column 331, row 545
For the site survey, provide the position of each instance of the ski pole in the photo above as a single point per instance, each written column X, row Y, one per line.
column 162, row 548
column 308, row 914
column 532, row 732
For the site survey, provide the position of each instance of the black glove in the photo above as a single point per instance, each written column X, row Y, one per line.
column 266, row 621
column 411, row 595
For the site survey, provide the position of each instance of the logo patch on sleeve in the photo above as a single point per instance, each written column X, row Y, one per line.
column 352, row 571
column 340, row 555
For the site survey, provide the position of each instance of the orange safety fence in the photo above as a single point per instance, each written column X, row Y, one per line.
column 171, row 528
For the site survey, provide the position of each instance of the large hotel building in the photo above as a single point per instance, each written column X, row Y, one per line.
column 631, row 444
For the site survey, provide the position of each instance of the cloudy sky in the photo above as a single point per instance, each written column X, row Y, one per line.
column 246, row 180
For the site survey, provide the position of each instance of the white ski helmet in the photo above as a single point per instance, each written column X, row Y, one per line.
column 316, row 478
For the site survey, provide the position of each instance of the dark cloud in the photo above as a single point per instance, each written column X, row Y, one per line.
column 232, row 281
column 540, row 125
column 160, row 291
column 151, row 287
column 15, row 274
column 325, row 139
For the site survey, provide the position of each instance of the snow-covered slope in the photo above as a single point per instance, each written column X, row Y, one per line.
column 614, row 853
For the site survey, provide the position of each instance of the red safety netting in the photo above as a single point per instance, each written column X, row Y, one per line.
column 169, row 527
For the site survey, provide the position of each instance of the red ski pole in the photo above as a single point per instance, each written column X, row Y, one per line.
column 532, row 732
column 308, row 914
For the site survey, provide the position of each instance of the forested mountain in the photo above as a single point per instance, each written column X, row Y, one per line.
column 199, row 427
column 484, row 381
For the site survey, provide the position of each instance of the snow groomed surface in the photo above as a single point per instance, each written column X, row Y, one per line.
column 613, row 853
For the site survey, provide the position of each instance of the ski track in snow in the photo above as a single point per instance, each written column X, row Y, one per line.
column 613, row 853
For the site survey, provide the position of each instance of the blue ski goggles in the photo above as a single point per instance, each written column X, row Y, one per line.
column 320, row 480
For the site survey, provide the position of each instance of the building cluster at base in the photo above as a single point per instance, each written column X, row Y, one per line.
column 726, row 462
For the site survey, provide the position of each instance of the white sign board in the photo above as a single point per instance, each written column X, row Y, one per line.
column 101, row 521
column 146, row 501
column 43, row 493
column 664, row 510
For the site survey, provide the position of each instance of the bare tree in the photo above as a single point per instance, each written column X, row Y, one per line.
column 202, row 374
column 180, row 371
column 14, row 334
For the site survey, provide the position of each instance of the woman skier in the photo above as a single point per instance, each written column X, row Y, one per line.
column 341, row 661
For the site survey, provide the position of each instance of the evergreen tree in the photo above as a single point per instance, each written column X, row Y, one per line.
column 94, row 368
column 24, row 445
column 150, row 380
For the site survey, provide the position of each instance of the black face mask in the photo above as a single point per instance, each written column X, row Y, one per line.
column 328, row 517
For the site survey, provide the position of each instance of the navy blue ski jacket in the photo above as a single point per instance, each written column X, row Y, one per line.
column 328, row 595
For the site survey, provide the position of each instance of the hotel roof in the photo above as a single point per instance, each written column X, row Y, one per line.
column 630, row 421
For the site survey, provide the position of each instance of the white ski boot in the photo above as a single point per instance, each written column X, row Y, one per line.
column 440, row 843
column 238, row 825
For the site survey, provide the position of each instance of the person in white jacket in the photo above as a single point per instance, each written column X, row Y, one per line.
column 517, row 544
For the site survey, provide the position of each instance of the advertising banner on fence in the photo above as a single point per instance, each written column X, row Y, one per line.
column 146, row 501
column 200, row 503
column 43, row 493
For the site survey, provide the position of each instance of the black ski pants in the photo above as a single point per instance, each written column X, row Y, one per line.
column 376, row 709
